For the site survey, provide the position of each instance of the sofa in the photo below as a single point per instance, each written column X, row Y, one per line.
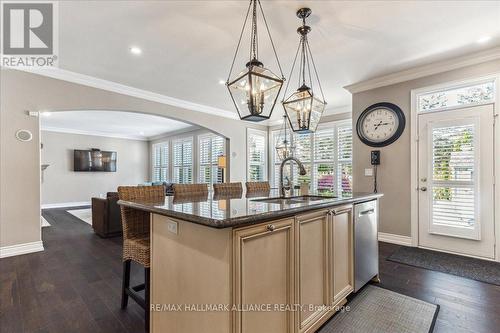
column 106, row 216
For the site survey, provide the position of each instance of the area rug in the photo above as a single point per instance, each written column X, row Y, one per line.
column 83, row 214
column 471, row 268
column 378, row 310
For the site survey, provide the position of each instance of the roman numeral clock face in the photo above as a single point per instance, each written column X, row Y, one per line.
column 380, row 125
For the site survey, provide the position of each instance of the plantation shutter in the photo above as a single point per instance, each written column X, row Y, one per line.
column 160, row 162
column 324, row 161
column 344, row 164
column 210, row 148
column 256, row 147
column 183, row 161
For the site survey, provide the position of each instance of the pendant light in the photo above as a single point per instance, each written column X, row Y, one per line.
column 284, row 147
column 255, row 89
column 304, row 107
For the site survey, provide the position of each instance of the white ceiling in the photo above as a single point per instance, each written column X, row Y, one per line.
column 111, row 123
column 188, row 45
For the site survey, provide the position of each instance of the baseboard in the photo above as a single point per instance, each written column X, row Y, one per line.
column 15, row 250
column 66, row 204
column 394, row 239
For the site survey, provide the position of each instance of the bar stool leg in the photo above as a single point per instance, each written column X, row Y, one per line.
column 147, row 297
column 125, row 282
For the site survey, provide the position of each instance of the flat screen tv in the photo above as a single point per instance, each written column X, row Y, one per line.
column 94, row 160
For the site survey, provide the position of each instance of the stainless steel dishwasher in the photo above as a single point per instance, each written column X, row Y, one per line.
column 365, row 243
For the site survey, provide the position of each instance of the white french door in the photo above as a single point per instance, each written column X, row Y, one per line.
column 456, row 172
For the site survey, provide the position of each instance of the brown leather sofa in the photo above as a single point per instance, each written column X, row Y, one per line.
column 106, row 217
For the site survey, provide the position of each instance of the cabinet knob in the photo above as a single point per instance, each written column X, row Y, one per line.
column 271, row 227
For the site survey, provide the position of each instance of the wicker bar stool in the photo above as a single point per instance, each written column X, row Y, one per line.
column 258, row 187
column 136, row 241
column 228, row 189
column 191, row 189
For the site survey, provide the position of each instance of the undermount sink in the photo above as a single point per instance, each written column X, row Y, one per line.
column 294, row 200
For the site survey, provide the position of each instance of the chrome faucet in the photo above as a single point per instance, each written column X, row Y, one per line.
column 302, row 172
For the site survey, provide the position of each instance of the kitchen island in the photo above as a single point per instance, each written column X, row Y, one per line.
column 250, row 263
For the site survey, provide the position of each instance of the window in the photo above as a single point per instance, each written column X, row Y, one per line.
column 472, row 94
column 160, row 162
column 183, row 160
column 210, row 147
column 256, row 155
column 327, row 157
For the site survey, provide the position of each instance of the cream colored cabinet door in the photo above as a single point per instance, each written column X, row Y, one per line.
column 312, row 269
column 263, row 266
column 341, row 247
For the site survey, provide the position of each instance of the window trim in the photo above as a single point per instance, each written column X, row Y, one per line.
column 252, row 131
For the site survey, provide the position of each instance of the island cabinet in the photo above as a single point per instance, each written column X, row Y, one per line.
column 263, row 273
column 282, row 276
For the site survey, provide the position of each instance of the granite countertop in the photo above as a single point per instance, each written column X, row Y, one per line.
column 239, row 210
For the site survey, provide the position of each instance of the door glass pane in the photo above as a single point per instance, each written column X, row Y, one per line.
column 453, row 153
column 453, row 182
column 453, row 206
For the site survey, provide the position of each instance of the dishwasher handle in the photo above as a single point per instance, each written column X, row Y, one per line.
column 367, row 212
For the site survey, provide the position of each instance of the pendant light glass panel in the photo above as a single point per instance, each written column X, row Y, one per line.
column 304, row 111
column 254, row 92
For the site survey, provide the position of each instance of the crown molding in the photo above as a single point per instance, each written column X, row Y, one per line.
column 93, row 133
column 425, row 70
column 94, row 82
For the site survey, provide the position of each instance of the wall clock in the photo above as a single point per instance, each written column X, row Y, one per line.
column 380, row 124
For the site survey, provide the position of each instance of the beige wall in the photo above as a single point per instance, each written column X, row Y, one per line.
column 394, row 171
column 20, row 161
column 63, row 185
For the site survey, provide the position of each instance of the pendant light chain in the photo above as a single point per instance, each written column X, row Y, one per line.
column 239, row 42
column 253, row 39
column 272, row 43
column 291, row 71
column 316, row 72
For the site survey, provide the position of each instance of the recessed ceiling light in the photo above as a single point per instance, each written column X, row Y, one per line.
column 222, row 81
column 484, row 39
column 135, row 50
column 141, row 133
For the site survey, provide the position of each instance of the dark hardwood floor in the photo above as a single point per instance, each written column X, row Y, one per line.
column 74, row 286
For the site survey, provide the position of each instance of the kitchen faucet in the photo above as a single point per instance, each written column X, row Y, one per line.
column 302, row 172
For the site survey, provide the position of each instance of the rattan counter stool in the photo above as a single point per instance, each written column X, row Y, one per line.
column 258, row 187
column 136, row 241
column 228, row 189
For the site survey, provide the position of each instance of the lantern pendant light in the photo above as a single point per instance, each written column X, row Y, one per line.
column 304, row 107
column 255, row 89
column 284, row 147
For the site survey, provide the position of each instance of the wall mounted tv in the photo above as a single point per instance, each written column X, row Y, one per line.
column 94, row 160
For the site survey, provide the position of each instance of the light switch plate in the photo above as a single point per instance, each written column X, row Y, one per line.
column 172, row 227
column 369, row 172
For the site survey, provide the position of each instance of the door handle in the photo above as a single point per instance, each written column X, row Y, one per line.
column 423, row 189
